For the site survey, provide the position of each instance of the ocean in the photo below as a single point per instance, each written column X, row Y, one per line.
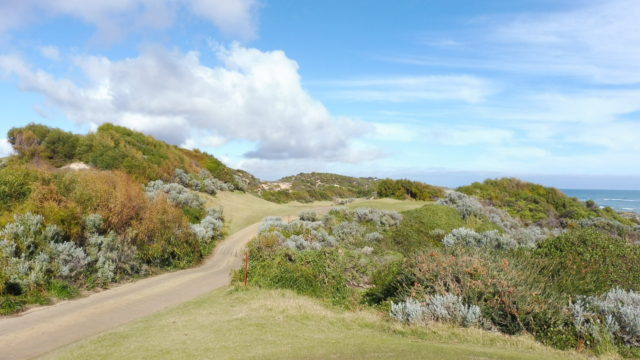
column 621, row 200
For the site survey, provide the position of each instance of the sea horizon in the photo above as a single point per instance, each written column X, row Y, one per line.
column 620, row 200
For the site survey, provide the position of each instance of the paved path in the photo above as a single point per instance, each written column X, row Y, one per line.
column 43, row 329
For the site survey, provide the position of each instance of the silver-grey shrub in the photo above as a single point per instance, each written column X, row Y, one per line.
column 272, row 223
column 210, row 228
column 466, row 205
column 410, row 311
column 112, row 257
column 175, row 193
column 469, row 238
column 373, row 236
column 204, row 182
column 308, row 215
column 348, row 231
column 621, row 310
column 69, row 259
column 443, row 308
column 382, row 218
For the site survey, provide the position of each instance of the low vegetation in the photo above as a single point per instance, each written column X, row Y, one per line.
column 308, row 187
column 407, row 189
column 533, row 203
column 62, row 231
column 278, row 324
column 113, row 147
column 466, row 263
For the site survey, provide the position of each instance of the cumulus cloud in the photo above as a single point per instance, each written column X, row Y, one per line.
column 5, row 148
column 113, row 19
column 254, row 95
column 465, row 88
column 50, row 52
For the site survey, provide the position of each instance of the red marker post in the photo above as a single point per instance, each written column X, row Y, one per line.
column 246, row 267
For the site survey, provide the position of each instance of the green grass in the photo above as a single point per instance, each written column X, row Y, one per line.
column 277, row 324
column 388, row 204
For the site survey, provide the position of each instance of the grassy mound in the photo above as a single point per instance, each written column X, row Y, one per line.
column 277, row 324
column 533, row 203
column 113, row 147
column 307, row 187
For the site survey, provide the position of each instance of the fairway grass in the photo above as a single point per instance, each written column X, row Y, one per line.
column 277, row 324
column 243, row 209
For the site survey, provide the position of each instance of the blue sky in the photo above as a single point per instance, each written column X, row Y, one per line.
column 446, row 92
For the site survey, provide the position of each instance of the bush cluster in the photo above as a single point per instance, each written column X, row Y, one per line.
column 532, row 203
column 49, row 244
column 113, row 147
column 448, row 308
column 176, row 194
column 308, row 187
column 407, row 189
column 203, row 182
column 333, row 256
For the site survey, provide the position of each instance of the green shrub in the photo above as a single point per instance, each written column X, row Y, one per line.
column 533, row 203
column 587, row 262
column 62, row 290
column 16, row 184
column 407, row 189
column 318, row 273
column 425, row 227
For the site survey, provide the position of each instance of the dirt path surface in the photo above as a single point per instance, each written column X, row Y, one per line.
column 43, row 329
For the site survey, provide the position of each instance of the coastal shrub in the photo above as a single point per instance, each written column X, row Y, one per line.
column 466, row 205
column 203, row 182
column 210, row 228
column 308, row 215
column 614, row 315
column 15, row 185
column 382, row 218
column 164, row 237
column 375, row 217
column 321, row 273
column 612, row 227
column 347, row 231
column 588, row 262
column 620, row 310
column 373, row 236
column 535, row 204
column 176, row 194
column 113, row 258
column 115, row 196
column 69, row 259
column 407, row 189
column 469, row 238
column 448, row 308
column 426, row 227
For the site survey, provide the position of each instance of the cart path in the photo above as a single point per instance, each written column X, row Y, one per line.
column 43, row 329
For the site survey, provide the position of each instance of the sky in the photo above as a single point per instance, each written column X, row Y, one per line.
column 446, row 92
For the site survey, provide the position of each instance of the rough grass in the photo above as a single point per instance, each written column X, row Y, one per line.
column 277, row 324
column 388, row 204
column 243, row 209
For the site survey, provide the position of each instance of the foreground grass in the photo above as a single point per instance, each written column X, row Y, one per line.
column 277, row 324
column 243, row 209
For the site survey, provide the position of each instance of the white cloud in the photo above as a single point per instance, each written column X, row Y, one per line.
column 465, row 88
column 393, row 132
column 255, row 96
column 50, row 52
column 114, row 19
column 235, row 17
column 5, row 148
column 468, row 135
column 599, row 41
